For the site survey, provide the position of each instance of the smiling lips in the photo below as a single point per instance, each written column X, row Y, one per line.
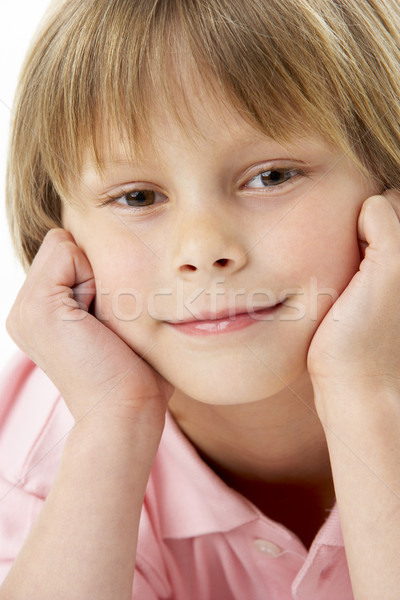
column 226, row 323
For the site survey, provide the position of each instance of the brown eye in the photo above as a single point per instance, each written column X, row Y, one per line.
column 270, row 178
column 140, row 198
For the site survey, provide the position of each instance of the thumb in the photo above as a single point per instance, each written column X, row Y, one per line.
column 379, row 229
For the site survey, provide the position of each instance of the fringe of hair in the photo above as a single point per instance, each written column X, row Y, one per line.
column 97, row 67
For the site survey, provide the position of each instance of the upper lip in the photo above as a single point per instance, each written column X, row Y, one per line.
column 227, row 313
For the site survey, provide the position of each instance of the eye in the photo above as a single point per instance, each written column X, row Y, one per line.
column 139, row 198
column 136, row 198
column 271, row 178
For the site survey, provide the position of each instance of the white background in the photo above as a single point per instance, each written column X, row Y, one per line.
column 18, row 21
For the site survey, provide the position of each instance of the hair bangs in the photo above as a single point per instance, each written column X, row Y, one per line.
column 99, row 69
column 119, row 61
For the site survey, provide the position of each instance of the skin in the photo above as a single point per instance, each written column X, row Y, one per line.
column 282, row 240
column 285, row 402
column 244, row 398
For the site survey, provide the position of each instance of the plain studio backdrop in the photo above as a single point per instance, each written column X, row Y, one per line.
column 18, row 21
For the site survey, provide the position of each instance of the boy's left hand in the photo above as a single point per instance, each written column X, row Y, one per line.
column 358, row 341
column 354, row 364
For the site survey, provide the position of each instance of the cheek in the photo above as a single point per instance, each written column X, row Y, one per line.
column 331, row 256
column 316, row 251
column 117, row 305
column 124, row 281
column 330, row 262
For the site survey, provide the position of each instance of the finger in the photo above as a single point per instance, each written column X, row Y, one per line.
column 84, row 293
column 50, row 241
column 378, row 226
column 68, row 266
column 61, row 267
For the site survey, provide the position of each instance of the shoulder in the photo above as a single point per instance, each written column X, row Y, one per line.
column 34, row 423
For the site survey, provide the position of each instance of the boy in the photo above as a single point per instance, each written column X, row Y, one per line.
column 223, row 249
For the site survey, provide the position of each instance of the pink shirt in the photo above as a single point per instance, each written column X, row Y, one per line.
column 198, row 539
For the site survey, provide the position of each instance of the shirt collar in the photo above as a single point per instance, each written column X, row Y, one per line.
column 195, row 501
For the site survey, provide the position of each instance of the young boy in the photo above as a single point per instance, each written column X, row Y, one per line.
column 211, row 175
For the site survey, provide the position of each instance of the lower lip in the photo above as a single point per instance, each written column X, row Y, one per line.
column 226, row 324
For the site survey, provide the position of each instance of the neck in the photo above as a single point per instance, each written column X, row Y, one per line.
column 272, row 451
column 276, row 439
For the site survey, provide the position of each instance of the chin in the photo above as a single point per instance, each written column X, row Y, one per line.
column 237, row 386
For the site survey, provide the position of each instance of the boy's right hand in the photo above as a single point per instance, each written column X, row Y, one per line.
column 87, row 530
column 97, row 374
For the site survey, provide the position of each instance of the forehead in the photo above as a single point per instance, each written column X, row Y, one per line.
column 166, row 61
column 183, row 96
column 201, row 116
column 210, row 135
column 173, row 157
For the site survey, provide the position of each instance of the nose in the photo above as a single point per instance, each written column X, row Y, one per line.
column 206, row 244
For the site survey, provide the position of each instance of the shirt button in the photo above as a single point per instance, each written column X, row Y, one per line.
column 266, row 547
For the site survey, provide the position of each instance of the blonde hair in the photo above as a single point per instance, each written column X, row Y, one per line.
column 286, row 65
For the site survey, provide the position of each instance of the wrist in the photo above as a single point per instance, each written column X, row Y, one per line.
column 344, row 398
column 115, row 438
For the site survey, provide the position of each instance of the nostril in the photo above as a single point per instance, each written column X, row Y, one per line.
column 222, row 262
column 188, row 268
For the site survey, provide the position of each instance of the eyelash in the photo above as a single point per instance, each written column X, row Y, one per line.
column 113, row 199
column 293, row 172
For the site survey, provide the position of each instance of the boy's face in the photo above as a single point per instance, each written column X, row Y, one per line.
column 219, row 223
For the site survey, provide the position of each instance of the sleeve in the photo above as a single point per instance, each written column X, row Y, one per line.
column 34, row 421
column 18, row 511
column 151, row 580
column 143, row 590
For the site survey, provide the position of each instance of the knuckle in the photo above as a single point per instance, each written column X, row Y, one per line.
column 68, row 246
column 57, row 234
column 55, row 238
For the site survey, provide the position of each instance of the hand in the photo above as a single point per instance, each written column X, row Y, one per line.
column 94, row 370
column 359, row 338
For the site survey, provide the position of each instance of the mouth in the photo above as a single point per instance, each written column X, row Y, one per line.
column 224, row 321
